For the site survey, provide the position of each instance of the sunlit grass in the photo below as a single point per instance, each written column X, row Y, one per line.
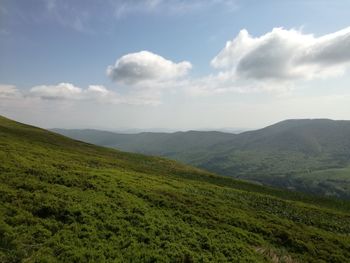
column 68, row 201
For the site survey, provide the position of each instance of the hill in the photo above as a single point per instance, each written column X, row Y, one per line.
column 289, row 154
column 178, row 145
column 68, row 201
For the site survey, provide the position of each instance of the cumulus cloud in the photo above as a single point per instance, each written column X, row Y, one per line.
column 144, row 77
column 285, row 55
column 146, row 67
column 67, row 91
column 275, row 61
column 60, row 91
column 272, row 62
column 328, row 50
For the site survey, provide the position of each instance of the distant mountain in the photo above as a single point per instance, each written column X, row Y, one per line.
column 63, row 200
column 178, row 145
column 287, row 154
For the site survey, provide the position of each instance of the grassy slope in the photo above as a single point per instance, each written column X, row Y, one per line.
column 63, row 200
column 284, row 154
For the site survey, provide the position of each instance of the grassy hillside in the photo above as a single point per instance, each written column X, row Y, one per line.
column 67, row 201
column 288, row 154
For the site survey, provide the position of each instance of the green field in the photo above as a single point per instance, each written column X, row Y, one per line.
column 66, row 201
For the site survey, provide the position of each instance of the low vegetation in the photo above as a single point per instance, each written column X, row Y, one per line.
column 67, row 201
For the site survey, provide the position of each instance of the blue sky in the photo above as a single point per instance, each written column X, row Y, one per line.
column 150, row 64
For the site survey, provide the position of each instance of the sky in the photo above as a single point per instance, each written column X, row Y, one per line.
column 173, row 64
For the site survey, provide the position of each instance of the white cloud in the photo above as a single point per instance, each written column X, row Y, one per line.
column 271, row 63
column 60, row 91
column 9, row 91
column 285, row 55
column 275, row 61
column 99, row 92
column 142, row 77
column 67, row 91
column 145, row 76
column 70, row 92
column 228, row 82
column 146, row 68
column 98, row 89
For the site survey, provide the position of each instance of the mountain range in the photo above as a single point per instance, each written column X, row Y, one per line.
column 310, row 155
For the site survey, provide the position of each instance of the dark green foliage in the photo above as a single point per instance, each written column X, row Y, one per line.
column 68, row 201
column 289, row 154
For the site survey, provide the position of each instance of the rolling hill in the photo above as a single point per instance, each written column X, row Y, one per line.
column 172, row 145
column 288, row 154
column 67, row 201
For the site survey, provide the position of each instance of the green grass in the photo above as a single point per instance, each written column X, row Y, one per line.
column 67, row 201
column 329, row 182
